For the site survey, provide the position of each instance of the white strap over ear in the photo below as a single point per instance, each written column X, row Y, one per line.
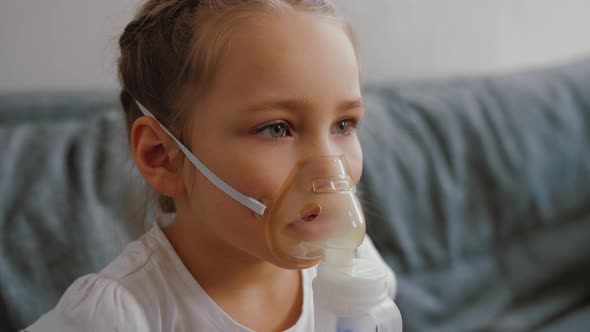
column 247, row 201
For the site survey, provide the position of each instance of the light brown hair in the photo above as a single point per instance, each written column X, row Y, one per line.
column 170, row 50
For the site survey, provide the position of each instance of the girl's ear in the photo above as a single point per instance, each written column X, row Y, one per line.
column 156, row 156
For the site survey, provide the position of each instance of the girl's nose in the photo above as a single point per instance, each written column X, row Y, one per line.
column 320, row 145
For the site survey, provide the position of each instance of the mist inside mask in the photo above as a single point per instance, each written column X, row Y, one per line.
column 315, row 215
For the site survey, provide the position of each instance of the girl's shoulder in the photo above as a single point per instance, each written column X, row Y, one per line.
column 94, row 303
column 120, row 297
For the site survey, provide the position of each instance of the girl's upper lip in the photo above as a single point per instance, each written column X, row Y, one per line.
column 314, row 230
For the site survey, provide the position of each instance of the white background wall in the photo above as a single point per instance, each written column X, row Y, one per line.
column 71, row 44
column 425, row 38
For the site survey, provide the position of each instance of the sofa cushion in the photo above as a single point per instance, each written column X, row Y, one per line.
column 477, row 192
column 65, row 174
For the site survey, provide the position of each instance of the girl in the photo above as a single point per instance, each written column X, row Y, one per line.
column 250, row 87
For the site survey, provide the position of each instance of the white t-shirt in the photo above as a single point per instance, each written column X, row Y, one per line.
column 148, row 288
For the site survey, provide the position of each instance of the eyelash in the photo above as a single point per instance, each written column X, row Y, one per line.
column 270, row 125
column 352, row 123
column 353, row 126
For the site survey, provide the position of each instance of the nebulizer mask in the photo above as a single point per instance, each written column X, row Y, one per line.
column 316, row 216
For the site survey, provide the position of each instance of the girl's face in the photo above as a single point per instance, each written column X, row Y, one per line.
column 287, row 89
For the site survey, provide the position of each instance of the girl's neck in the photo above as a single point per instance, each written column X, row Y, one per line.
column 245, row 287
column 212, row 262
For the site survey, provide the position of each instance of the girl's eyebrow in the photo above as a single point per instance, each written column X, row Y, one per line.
column 282, row 104
column 351, row 104
column 298, row 104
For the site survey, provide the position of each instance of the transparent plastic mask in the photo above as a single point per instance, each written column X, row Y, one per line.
column 316, row 211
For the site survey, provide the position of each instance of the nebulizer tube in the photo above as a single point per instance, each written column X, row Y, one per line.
column 317, row 215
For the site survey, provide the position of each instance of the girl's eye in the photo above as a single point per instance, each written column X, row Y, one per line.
column 344, row 127
column 275, row 130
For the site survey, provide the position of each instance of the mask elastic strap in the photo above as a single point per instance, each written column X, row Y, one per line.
column 247, row 201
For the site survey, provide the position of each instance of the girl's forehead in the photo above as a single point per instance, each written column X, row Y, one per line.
column 292, row 34
column 296, row 52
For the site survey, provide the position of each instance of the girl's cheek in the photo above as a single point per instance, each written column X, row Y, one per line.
column 354, row 158
column 355, row 162
column 357, row 170
column 265, row 178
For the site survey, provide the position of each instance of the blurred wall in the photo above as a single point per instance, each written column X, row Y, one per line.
column 429, row 38
column 71, row 44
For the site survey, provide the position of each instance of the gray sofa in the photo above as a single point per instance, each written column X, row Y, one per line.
column 476, row 191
